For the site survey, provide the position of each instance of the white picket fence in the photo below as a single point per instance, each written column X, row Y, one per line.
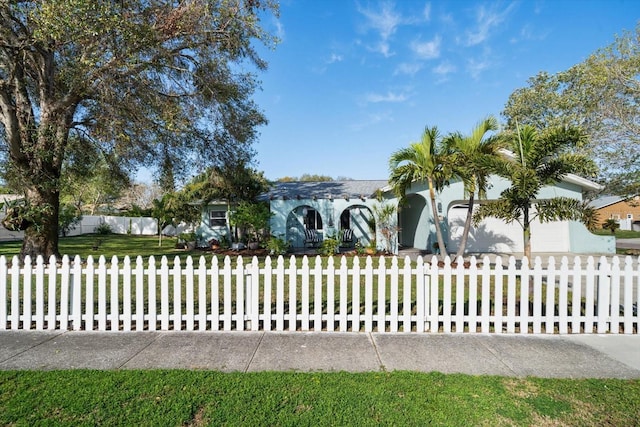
column 349, row 294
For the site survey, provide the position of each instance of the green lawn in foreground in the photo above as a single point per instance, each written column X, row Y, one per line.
column 179, row 397
column 109, row 245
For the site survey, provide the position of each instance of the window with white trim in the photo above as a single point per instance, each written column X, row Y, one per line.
column 217, row 219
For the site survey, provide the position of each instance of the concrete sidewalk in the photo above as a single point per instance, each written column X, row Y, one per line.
column 554, row 356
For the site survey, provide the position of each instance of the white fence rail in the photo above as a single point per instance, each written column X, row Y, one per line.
column 348, row 294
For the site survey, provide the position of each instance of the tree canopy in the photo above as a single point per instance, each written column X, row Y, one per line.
column 231, row 183
column 600, row 96
column 310, row 178
column 137, row 80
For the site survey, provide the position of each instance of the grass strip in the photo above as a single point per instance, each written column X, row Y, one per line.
column 200, row 398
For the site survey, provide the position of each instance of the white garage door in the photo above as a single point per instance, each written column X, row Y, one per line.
column 494, row 235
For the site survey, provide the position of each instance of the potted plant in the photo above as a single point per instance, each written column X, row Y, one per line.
column 253, row 243
column 188, row 240
column 214, row 244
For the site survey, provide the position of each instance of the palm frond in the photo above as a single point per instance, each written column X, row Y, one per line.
column 560, row 209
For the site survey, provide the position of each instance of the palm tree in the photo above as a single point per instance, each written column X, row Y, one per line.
column 427, row 161
column 539, row 158
column 469, row 152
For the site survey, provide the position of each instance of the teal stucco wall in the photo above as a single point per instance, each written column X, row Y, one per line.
column 288, row 220
column 207, row 231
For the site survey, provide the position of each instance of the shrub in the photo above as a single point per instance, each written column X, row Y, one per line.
column 330, row 246
column 277, row 245
column 68, row 219
column 611, row 225
column 104, row 229
column 188, row 236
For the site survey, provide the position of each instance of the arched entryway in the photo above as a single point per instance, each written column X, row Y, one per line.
column 412, row 222
column 301, row 218
column 358, row 218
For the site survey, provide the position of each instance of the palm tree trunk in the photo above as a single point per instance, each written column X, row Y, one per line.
column 436, row 220
column 467, row 227
column 526, row 232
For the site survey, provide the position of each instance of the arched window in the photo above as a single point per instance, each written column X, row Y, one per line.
column 345, row 219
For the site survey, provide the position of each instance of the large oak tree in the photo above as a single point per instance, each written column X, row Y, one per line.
column 140, row 80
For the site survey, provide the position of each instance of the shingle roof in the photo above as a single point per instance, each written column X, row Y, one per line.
column 605, row 201
column 324, row 189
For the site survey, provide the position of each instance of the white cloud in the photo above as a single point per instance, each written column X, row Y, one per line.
column 527, row 32
column 426, row 12
column 372, row 119
column 334, row 58
column 384, row 49
column 444, row 68
column 388, row 97
column 408, row 69
column 280, row 33
column 427, row 50
column 384, row 21
column 486, row 21
column 476, row 67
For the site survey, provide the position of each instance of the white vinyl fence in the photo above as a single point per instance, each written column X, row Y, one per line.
column 341, row 294
column 119, row 225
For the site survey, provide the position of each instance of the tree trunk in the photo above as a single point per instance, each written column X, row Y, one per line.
column 467, row 227
column 436, row 220
column 41, row 238
column 526, row 233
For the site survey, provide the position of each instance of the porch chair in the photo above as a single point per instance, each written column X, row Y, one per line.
column 311, row 238
column 346, row 238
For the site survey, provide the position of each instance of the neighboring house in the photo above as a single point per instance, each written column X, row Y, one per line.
column 626, row 211
column 321, row 209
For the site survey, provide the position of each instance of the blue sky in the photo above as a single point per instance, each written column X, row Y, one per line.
column 353, row 81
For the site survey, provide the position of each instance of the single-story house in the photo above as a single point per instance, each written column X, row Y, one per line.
column 625, row 211
column 305, row 209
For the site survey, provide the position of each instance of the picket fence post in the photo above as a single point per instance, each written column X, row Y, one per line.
column 604, row 295
column 253, row 294
column 215, row 294
column 3, row 293
column 422, row 294
column 153, row 298
column 202, row 294
column 280, row 274
column 331, row 317
column 139, row 273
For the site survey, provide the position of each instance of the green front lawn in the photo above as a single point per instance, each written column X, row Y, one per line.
column 619, row 234
column 201, row 398
column 109, row 245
